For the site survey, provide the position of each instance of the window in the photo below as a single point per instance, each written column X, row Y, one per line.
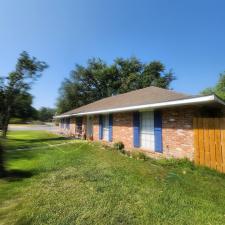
column 68, row 123
column 106, row 127
column 147, row 130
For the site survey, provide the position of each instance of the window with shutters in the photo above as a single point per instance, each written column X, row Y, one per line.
column 147, row 130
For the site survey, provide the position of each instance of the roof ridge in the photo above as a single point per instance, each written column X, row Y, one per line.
column 137, row 90
column 140, row 89
column 171, row 90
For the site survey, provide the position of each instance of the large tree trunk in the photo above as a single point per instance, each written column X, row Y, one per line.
column 5, row 122
column 2, row 161
column 5, row 128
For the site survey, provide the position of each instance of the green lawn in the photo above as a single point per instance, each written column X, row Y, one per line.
column 84, row 183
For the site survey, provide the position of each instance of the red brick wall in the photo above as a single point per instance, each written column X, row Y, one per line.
column 177, row 132
column 71, row 130
column 96, row 127
column 72, row 126
column 123, row 128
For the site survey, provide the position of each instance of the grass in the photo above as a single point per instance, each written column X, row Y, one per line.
column 84, row 183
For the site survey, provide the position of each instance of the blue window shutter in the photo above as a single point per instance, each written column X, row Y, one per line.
column 158, row 131
column 100, row 127
column 136, row 127
column 110, row 127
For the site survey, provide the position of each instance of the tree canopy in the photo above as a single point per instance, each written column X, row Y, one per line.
column 97, row 80
column 218, row 89
column 22, row 107
column 14, row 88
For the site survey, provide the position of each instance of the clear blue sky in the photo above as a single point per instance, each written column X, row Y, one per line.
column 188, row 36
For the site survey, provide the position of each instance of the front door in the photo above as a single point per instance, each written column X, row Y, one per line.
column 147, row 130
column 106, row 127
column 89, row 126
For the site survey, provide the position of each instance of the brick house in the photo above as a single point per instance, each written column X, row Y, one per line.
column 151, row 119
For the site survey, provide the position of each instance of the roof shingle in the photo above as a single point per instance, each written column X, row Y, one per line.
column 148, row 95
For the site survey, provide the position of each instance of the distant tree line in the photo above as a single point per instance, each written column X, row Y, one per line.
column 27, row 113
column 98, row 80
column 45, row 114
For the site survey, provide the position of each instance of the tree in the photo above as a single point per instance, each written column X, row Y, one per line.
column 46, row 114
column 218, row 89
column 98, row 80
column 1, row 102
column 17, row 83
column 2, row 167
column 22, row 107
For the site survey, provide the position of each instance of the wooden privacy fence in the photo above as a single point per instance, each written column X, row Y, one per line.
column 209, row 142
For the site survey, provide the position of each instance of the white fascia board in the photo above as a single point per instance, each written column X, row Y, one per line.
column 202, row 99
column 189, row 101
column 63, row 116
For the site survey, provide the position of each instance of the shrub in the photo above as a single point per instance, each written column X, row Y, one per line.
column 118, row 145
column 143, row 156
column 105, row 146
column 134, row 154
column 139, row 155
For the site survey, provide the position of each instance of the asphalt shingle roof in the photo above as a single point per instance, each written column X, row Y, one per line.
column 149, row 95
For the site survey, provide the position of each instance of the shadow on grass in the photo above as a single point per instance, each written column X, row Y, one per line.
column 17, row 175
column 20, row 154
column 14, row 143
column 25, row 144
column 40, row 139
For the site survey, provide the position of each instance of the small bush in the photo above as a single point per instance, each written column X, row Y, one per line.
column 139, row 155
column 128, row 153
column 105, row 146
column 134, row 154
column 118, row 146
column 143, row 156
